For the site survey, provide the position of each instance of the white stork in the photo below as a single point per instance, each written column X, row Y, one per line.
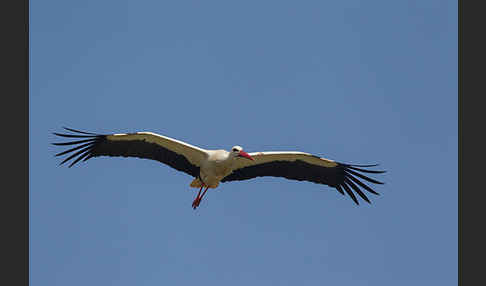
column 209, row 167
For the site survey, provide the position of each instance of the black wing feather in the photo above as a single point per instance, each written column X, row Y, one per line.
column 74, row 135
column 80, row 157
column 98, row 145
column 356, row 189
column 363, row 176
column 74, row 149
column 72, row 142
column 342, row 177
column 350, row 193
column 77, row 131
column 76, row 154
column 363, row 185
column 366, row 171
column 338, row 187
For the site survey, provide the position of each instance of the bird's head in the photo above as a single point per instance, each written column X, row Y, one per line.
column 237, row 152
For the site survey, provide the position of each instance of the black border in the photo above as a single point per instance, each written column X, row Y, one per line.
column 459, row 151
column 15, row 153
column 470, row 151
column 15, row 79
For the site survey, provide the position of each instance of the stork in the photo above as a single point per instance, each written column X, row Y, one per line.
column 210, row 167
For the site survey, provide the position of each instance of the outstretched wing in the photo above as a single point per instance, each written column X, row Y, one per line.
column 147, row 145
column 306, row 167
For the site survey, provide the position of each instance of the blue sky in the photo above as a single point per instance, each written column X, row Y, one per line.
column 354, row 81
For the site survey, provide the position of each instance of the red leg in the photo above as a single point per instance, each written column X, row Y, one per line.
column 196, row 201
column 204, row 192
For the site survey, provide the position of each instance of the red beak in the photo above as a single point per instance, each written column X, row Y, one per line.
column 244, row 154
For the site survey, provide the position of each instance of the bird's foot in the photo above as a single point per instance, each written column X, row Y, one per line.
column 196, row 202
column 198, row 198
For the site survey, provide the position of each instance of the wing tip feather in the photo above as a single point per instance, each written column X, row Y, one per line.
column 350, row 193
column 352, row 182
column 86, row 145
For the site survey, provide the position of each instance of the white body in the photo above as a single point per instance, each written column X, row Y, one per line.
column 214, row 168
column 220, row 163
column 210, row 167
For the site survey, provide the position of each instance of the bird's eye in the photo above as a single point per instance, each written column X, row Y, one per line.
column 235, row 150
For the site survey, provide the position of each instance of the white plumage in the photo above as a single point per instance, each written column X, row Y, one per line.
column 210, row 167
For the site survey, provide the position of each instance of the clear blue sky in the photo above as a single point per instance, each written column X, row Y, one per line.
column 354, row 81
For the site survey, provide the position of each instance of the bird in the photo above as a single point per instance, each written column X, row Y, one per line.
column 211, row 167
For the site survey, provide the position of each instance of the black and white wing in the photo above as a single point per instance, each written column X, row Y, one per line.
column 147, row 145
column 306, row 167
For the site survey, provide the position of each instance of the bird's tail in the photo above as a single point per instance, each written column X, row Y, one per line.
column 196, row 183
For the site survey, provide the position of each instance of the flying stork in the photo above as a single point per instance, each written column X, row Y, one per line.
column 210, row 167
